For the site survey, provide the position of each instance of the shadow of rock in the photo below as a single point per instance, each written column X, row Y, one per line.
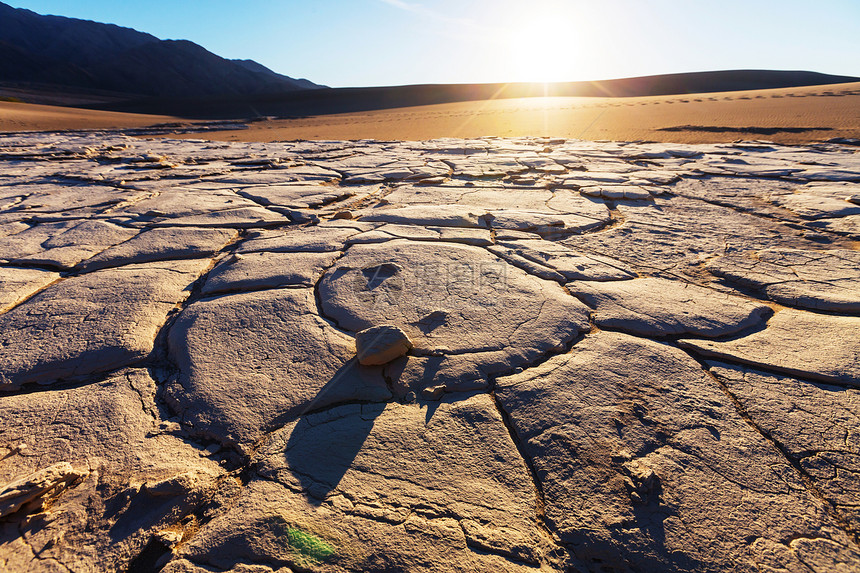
column 323, row 446
column 351, row 383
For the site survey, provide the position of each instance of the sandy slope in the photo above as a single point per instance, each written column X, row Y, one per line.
column 789, row 115
column 834, row 107
column 30, row 117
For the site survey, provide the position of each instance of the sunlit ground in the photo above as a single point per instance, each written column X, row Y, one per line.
column 712, row 117
column 694, row 118
column 31, row 117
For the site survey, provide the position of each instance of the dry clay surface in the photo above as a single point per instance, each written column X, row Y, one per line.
column 618, row 357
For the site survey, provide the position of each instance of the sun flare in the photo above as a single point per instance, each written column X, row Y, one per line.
column 542, row 43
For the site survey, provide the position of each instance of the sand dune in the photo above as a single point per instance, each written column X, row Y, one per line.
column 787, row 115
column 29, row 117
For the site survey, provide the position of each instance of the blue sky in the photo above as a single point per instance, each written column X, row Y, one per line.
column 395, row 42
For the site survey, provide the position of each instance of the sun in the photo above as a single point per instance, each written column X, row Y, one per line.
column 541, row 42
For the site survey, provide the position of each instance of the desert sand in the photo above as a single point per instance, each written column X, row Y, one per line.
column 789, row 115
column 16, row 116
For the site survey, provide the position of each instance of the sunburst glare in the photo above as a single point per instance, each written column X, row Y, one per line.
column 542, row 41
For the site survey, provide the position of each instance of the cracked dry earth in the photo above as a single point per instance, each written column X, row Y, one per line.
column 627, row 357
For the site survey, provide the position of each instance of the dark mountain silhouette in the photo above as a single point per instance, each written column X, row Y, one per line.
column 260, row 68
column 84, row 55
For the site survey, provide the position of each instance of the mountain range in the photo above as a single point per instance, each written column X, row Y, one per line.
column 68, row 53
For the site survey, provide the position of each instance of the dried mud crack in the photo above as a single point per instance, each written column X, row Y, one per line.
column 626, row 356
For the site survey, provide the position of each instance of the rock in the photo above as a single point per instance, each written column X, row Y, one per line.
column 812, row 205
column 677, row 235
column 513, row 235
column 505, row 208
column 813, row 423
column 826, row 280
column 566, row 262
column 821, row 200
column 656, row 177
column 740, row 193
column 660, row 307
column 68, row 199
column 441, row 371
column 390, row 231
column 31, row 492
column 441, row 216
column 16, row 285
column 311, row 239
column 629, row 192
column 301, row 196
column 381, row 344
column 530, row 266
column 433, row 392
column 186, row 201
column 123, row 443
column 255, row 271
column 848, row 225
column 591, row 180
column 172, row 486
column 84, row 324
column 816, row 346
column 10, row 225
column 456, row 298
column 632, row 441
column 62, row 245
column 539, row 222
column 432, row 485
column 211, row 450
column 299, row 172
column 828, row 174
column 486, row 167
column 163, row 244
column 185, row 566
column 169, row 538
column 253, row 360
column 107, row 431
column 241, row 218
column 748, row 167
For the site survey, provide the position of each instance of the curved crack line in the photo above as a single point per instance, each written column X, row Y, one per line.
column 830, row 507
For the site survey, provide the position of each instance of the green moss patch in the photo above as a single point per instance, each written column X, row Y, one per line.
column 306, row 548
column 309, row 546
